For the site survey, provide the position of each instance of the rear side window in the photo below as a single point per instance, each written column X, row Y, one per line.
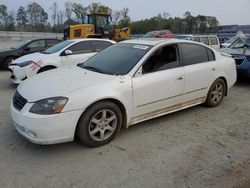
column 204, row 40
column 51, row 42
column 213, row 41
column 81, row 47
column 100, row 45
column 196, row 39
column 193, row 54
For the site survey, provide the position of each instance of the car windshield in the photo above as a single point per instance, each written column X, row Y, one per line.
column 231, row 40
column 241, row 42
column 57, row 47
column 150, row 34
column 118, row 59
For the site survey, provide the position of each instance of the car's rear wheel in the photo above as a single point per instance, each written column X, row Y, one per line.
column 99, row 124
column 216, row 93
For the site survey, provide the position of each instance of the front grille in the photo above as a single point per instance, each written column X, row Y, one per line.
column 19, row 101
column 239, row 59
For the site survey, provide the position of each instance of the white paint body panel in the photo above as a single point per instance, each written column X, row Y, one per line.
column 43, row 60
column 143, row 96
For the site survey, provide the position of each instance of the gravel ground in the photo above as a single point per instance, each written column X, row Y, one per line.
column 195, row 148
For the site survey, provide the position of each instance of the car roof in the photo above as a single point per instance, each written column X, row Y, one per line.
column 204, row 36
column 154, row 41
column 92, row 39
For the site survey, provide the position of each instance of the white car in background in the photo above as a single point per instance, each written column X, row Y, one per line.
column 129, row 82
column 70, row 52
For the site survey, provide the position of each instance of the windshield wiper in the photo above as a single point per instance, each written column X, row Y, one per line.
column 95, row 69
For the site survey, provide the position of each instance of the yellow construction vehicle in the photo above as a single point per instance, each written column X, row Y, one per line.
column 96, row 25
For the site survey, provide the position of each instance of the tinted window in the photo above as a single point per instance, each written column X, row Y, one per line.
column 117, row 59
column 211, row 56
column 213, row 41
column 52, row 42
column 100, row 45
column 81, row 47
column 37, row 44
column 164, row 58
column 204, row 40
column 58, row 47
column 196, row 39
column 193, row 54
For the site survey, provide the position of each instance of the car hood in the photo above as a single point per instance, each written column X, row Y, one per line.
column 235, row 52
column 32, row 57
column 59, row 82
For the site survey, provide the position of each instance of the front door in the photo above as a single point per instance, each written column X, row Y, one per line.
column 160, row 87
column 81, row 52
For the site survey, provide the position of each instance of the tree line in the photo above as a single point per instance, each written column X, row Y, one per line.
column 188, row 24
column 33, row 17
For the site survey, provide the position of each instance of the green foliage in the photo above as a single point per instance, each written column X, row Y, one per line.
column 21, row 17
column 78, row 9
column 37, row 16
column 188, row 24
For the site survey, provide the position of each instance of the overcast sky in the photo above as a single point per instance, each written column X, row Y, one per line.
column 226, row 11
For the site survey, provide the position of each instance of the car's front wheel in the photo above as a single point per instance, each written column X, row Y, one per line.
column 7, row 62
column 216, row 93
column 99, row 124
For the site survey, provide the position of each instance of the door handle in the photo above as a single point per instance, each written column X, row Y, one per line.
column 180, row 78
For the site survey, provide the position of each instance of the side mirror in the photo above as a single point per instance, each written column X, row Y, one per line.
column 68, row 52
column 26, row 48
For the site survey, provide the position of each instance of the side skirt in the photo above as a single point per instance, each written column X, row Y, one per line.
column 165, row 111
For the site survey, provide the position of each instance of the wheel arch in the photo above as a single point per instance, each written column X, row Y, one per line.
column 115, row 101
column 47, row 66
column 225, row 80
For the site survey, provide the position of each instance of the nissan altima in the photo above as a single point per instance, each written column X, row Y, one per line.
column 126, row 83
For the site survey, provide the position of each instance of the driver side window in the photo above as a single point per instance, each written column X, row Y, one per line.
column 164, row 58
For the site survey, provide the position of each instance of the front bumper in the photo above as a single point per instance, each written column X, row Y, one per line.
column 18, row 74
column 45, row 129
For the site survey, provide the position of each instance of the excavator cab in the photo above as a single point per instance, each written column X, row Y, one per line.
column 101, row 23
column 96, row 25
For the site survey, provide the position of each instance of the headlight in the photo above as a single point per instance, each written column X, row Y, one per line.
column 49, row 106
column 24, row 64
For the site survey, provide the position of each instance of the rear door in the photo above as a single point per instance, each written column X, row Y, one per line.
column 199, row 70
column 160, row 85
column 81, row 52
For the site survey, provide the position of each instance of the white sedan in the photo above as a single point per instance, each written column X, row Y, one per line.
column 127, row 83
column 70, row 52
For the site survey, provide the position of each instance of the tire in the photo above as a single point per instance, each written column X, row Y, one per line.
column 7, row 62
column 99, row 124
column 43, row 69
column 216, row 93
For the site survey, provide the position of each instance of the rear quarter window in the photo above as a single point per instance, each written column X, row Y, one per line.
column 213, row 41
column 193, row 54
